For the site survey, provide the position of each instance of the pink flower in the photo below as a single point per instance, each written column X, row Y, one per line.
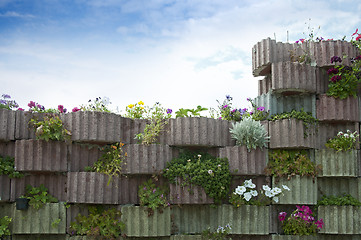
column 20, row 109
column 282, row 216
column 75, row 109
column 319, row 223
column 61, row 109
column 356, row 32
column 335, row 78
column 31, row 104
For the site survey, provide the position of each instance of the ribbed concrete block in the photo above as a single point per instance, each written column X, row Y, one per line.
column 42, row 237
column 276, row 103
column 322, row 81
column 252, row 220
column 327, row 130
column 130, row 128
column 293, row 77
column 139, row 224
column 303, row 190
column 193, row 194
column 340, row 219
column 92, row 238
column 337, row 164
column 244, row 162
column 336, row 186
column 335, row 109
column 291, row 133
column 7, row 125
column 186, row 237
column 264, row 85
column 322, row 52
column 4, row 188
column 23, row 130
column 199, row 131
column 41, row 221
column 296, row 237
column 146, row 159
column 55, row 183
column 7, row 149
column 40, row 155
column 82, row 155
column 94, row 126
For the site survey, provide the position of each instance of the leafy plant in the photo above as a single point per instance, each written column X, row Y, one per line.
column 300, row 222
column 4, row 226
column 97, row 105
column 38, row 196
column 344, row 141
column 6, row 103
column 258, row 113
column 135, row 111
column 203, row 170
column 247, row 194
column 55, row 223
column 7, row 167
column 110, row 163
column 99, row 222
column 220, row 234
column 227, row 112
column 250, row 133
column 190, row 112
column 341, row 200
column 152, row 196
column 287, row 163
column 51, row 128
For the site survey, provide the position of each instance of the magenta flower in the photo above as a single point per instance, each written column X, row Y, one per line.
column 20, row 109
column 358, row 58
column 260, row 109
column 319, row 223
column 225, row 106
column 31, row 104
column 61, row 109
column 336, row 59
column 335, row 78
column 75, row 109
column 332, row 71
column 282, row 216
column 356, row 32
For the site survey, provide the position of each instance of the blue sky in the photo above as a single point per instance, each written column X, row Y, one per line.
column 180, row 53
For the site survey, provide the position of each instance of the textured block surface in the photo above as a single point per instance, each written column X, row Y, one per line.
column 7, row 125
column 337, row 164
column 335, row 109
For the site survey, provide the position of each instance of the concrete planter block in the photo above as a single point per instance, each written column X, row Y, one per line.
column 276, row 103
column 7, row 125
column 322, row 52
column 7, row 149
column 303, row 190
column 90, row 238
column 247, row 220
column 186, row 237
column 40, row 155
column 89, row 126
column 146, row 159
column 33, row 221
column 82, row 155
column 322, row 81
column 193, row 194
column 23, row 130
column 340, row 219
column 264, row 85
column 337, row 164
column 244, row 162
column 40, row 236
column 291, row 133
column 130, row 128
column 295, row 237
column 4, row 188
column 293, row 77
column 199, row 131
column 55, row 183
column 338, row 186
column 335, row 109
column 139, row 224
column 327, row 130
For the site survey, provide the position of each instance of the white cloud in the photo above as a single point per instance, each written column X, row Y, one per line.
column 16, row 15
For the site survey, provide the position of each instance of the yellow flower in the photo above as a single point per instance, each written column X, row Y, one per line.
column 141, row 107
column 141, row 103
column 130, row 106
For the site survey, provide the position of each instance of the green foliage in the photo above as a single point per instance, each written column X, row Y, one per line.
column 190, row 112
column 258, row 113
column 226, row 111
column 250, row 133
column 6, row 103
column 51, row 128
column 220, row 234
column 152, row 196
column 38, row 196
column 344, row 141
column 99, row 222
column 203, row 170
column 55, row 223
column 110, row 163
column 97, row 105
column 286, row 163
column 135, row 111
column 4, row 226
column 342, row 200
column 7, row 167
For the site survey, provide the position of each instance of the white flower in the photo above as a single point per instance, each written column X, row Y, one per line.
column 254, row 193
column 275, row 199
column 268, row 194
column 247, row 196
column 286, row 188
column 346, row 135
column 249, row 184
column 240, row 190
column 276, row 190
column 210, row 171
column 106, row 101
column 199, row 156
column 266, row 188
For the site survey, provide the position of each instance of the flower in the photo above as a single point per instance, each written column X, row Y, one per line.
column 130, row 106
column 266, row 188
column 319, row 223
column 247, row 196
column 75, row 109
column 332, row 71
column 5, row 96
column 31, row 104
column 254, row 193
column 282, row 216
column 20, row 109
column 356, row 32
column 335, row 59
column 210, row 171
column 286, row 188
column 335, row 78
column 249, row 184
column 169, row 111
column 141, row 103
column 260, row 109
column 240, row 190
column 225, row 106
column 228, row 97
column 61, row 109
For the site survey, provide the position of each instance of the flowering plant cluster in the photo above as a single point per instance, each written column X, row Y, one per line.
column 248, row 194
column 300, row 222
column 6, row 103
column 220, row 234
column 258, row 113
column 186, row 112
column 204, row 170
column 344, row 141
column 98, row 105
column 135, row 111
column 227, row 112
column 152, row 196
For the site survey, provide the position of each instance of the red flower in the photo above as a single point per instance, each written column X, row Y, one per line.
column 356, row 32
column 358, row 37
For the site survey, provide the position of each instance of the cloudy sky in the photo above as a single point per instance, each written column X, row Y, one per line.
column 181, row 53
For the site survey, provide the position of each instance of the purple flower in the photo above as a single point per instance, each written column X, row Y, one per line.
column 154, row 190
column 3, row 102
column 335, row 59
column 332, row 71
column 282, row 216
column 248, row 99
column 234, row 110
column 169, row 111
column 225, row 106
column 145, row 188
column 75, row 109
column 260, row 109
column 335, row 78
column 31, row 104
column 6, row 96
column 228, row 97
column 251, row 113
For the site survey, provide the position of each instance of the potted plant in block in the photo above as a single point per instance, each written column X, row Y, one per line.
column 7, row 171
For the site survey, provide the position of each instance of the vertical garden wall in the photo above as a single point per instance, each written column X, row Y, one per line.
column 65, row 168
